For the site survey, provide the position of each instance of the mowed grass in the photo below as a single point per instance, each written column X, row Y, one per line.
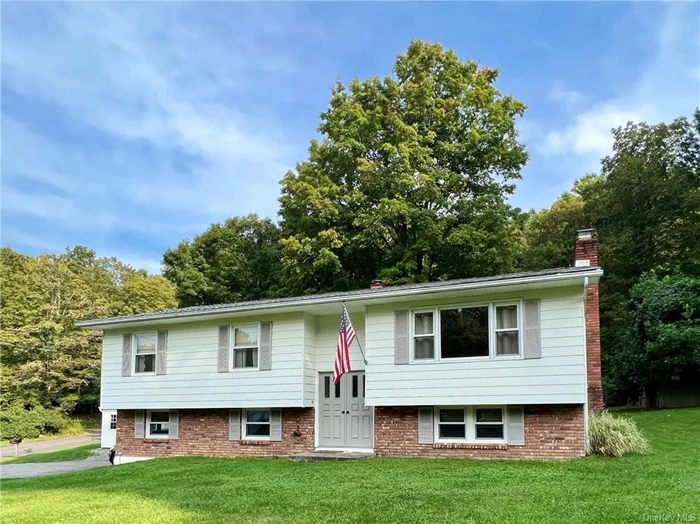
column 595, row 489
column 76, row 453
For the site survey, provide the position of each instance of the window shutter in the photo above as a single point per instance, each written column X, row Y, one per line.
column 234, row 424
column 174, row 424
column 223, row 360
column 275, row 425
column 516, row 425
column 265, row 348
column 533, row 339
column 425, row 426
column 126, row 355
column 162, row 353
column 139, row 424
column 400, row 338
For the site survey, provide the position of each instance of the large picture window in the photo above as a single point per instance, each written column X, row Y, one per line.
column 145, row 360
column 464, row 332
column 245, row 346
column 470, row 331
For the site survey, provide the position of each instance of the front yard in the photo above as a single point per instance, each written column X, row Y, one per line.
column 631, row 489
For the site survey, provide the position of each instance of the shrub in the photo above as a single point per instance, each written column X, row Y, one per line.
column 17, row 421
column 614, row 436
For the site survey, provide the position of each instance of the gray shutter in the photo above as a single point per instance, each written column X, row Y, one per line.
column 174, row 423
column 400, row 338
column 162, row 353
column 425, row 426
column 126, row 355
column 139, row 422
column 533, row 340
column 234, row 424
column 265, row 348
column 275, row 425
column 223, row 359
column 516, row 425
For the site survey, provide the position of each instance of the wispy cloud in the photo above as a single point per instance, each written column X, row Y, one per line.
column 177, row 133
column 667, row 88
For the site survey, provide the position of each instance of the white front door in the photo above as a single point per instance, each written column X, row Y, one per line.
column 343, row 420
column 109, row 428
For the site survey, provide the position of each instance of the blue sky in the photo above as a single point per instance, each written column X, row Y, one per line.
column 130, row 127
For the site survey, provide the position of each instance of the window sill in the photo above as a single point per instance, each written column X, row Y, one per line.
column 468, row 445
column 154, row 440
column 255, row 442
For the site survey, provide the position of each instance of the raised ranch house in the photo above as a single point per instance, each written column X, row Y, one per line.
column 495, row 367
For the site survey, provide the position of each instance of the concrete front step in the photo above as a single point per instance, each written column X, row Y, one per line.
column 319, row 456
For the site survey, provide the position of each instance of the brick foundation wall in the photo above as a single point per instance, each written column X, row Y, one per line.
column 551, row 432
column 205, row 432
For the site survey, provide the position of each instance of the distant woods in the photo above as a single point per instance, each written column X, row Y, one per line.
column 46, row 361
column 408, row 182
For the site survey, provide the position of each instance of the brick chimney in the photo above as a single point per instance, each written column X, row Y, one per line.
column 376, row 284
column 586, row 254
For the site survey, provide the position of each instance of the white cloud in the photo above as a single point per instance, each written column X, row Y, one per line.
column 667, row 88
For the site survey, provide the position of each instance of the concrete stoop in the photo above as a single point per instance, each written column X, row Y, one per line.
column 322, row 456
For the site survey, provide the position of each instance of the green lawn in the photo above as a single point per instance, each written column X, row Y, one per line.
column 666, row 481
column 76, row 453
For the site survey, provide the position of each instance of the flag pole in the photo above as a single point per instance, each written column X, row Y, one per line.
column 357, row 339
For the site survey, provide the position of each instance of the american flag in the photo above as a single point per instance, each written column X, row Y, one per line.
column 342, row 352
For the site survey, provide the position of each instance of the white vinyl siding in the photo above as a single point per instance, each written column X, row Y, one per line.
column 192, row 380
column 310, row 374
column 557, row 377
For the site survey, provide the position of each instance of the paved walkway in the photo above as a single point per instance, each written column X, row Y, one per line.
column 56, row 444
column 22, row 471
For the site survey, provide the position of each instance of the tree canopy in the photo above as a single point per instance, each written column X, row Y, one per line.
column 409, row 180
column 45, row 360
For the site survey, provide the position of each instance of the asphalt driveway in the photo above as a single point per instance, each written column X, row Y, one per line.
column 21, row 471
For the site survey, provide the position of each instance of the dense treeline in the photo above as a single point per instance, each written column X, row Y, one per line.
column 409, row 182
column 47, row 363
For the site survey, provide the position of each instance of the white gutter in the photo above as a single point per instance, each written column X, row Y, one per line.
column 369, row 296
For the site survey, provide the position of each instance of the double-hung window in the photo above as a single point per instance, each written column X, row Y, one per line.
column 256, row 424
column 469, row 331
column 158, row 424
column 245, row 346
column 469, row 424
column 507, row 339
column 145, row 355
column 423, row 335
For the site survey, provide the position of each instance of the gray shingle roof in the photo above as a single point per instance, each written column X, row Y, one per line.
column 344, row 295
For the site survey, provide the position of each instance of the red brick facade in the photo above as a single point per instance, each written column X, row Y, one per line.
column 551, row 432
column 206, row 432
column 587, row 249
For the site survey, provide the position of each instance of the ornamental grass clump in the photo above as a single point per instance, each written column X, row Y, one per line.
column 615, row 436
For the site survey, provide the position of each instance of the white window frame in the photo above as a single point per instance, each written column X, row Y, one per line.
column 491, row 327
column 470, row 423
column 501, row 423
column 436, row 347
column 113, row 421
column 244, row 422
column 134, row 352
column 232, row 346
column 148, row 423
column 518, row 318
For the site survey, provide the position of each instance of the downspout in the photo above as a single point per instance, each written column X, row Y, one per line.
column 585, row 364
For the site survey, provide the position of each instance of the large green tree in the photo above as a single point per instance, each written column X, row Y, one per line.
column 45, row 359
column 409, row 180
column 237, row 260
